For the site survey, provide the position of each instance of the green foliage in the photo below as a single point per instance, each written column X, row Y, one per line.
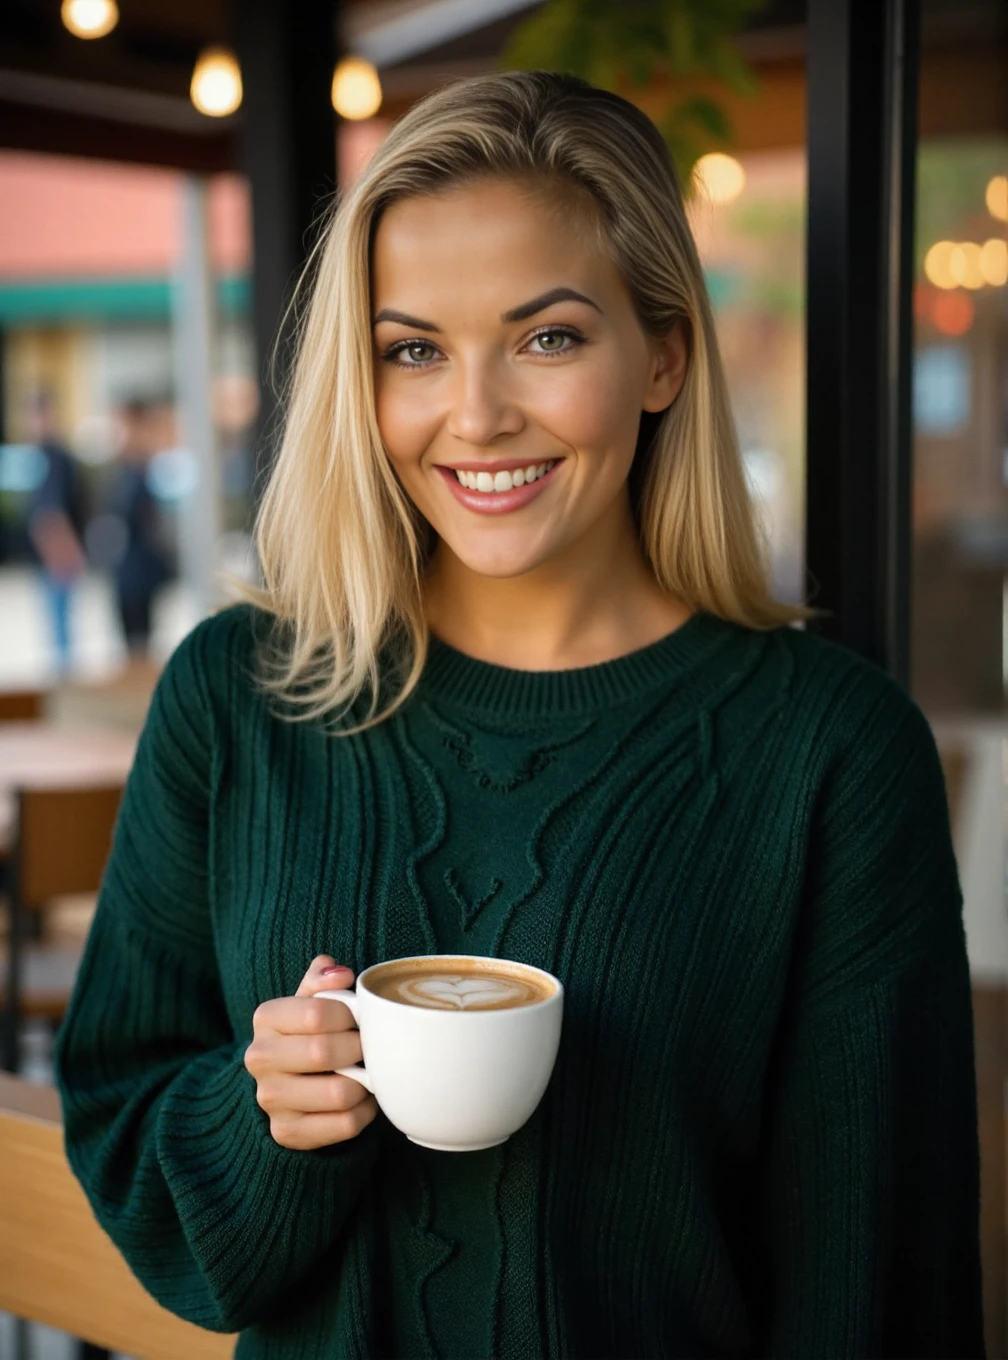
column 624, row 45
column 769, row 220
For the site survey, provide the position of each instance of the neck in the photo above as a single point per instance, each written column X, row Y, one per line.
column 597, row 601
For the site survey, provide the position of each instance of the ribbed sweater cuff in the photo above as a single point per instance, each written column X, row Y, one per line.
column 255, row 1215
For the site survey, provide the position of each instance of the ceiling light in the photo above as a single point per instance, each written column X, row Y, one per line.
column 356, row 89
column 89, row 18
column 997, row 197
column 216, row 85
column 722, row 177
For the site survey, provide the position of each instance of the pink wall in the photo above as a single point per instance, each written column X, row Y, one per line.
column 61, row 216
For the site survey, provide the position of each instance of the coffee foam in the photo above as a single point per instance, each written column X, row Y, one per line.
column 471, row 988
column 452, row 991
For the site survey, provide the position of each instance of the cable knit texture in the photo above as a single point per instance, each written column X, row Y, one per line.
column 732, row 847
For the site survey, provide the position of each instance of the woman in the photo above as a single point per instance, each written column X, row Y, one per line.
column 516, row 687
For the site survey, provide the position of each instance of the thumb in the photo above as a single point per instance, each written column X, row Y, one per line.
column 325, row 974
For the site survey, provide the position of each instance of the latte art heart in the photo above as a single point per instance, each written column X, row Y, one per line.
column 452, row 988
column 463, row 993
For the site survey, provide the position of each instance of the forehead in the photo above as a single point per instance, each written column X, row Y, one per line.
column 485, row 241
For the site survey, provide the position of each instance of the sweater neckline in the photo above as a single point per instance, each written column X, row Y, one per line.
column 465, row 681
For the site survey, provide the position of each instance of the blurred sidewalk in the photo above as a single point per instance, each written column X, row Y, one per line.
column 27, row 653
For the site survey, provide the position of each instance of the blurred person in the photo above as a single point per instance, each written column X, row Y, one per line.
column 55, row 519
column 516, row 686
column 141, row 563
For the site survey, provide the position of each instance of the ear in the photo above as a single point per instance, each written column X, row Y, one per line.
column 670, row 361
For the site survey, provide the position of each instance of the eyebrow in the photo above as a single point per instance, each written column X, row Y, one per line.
column 521, row 313
column 404, row 319
column 544, row 300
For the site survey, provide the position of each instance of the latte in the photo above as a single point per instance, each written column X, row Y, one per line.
column 448, row 984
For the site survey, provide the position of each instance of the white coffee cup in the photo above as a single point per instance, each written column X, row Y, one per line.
column 456, row 1080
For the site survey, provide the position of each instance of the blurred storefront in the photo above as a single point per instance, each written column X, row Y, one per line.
column 89, row 264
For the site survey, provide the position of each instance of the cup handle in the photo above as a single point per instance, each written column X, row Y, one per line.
column 349, row 1000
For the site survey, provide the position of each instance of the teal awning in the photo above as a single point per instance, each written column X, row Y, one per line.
column 30, row 301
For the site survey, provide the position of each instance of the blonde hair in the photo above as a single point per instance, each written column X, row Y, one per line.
column 342, row 548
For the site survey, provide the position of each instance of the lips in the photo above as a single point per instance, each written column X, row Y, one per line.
column 497, row 502
column 503, row 480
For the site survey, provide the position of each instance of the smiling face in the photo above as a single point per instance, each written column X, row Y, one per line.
column 510, row 373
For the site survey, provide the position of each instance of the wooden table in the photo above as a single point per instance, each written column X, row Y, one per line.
column 41, row 753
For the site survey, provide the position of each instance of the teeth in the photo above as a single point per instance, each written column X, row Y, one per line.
column 503, row 481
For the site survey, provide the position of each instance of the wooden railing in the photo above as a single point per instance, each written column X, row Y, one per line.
column 56, row 1264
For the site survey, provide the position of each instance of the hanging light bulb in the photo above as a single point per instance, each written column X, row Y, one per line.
column 356, row 89
column 89, row 18
column 216, row 85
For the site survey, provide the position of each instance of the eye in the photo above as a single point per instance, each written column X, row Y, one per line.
column 411, row 353
column 420, row 351
column 555, row 340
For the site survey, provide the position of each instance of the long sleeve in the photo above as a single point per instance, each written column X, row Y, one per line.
column 871, row 1195
column 161, row 1122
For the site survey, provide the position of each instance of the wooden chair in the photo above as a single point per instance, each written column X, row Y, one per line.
column 62, row 842
column 56, row 1264
column 22, row 705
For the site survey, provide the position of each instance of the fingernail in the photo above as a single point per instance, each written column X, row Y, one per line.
column 336, row 968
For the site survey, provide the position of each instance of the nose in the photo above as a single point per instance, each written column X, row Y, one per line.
column 483, row 408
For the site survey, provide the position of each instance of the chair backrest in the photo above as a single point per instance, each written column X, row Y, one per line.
column 56, row 1264
column 21, row 705
column 63, row 839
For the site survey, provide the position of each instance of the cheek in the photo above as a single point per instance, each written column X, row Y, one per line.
column 405, row 423
column 594, row 409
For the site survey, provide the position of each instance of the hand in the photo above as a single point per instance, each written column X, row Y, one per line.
column 297, row 1044
column 58, row 546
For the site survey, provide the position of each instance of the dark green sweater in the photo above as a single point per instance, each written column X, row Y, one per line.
column 732, row 847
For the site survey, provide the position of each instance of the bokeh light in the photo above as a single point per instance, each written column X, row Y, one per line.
column 216, row 86
column 965, row 266
column 938, row 264
column 89, row 18
column 997, row 197
column 994, row 262
column 721, row 177
column 356, row 89
column 952, row 313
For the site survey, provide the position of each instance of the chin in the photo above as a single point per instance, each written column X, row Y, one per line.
column 502, row 562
